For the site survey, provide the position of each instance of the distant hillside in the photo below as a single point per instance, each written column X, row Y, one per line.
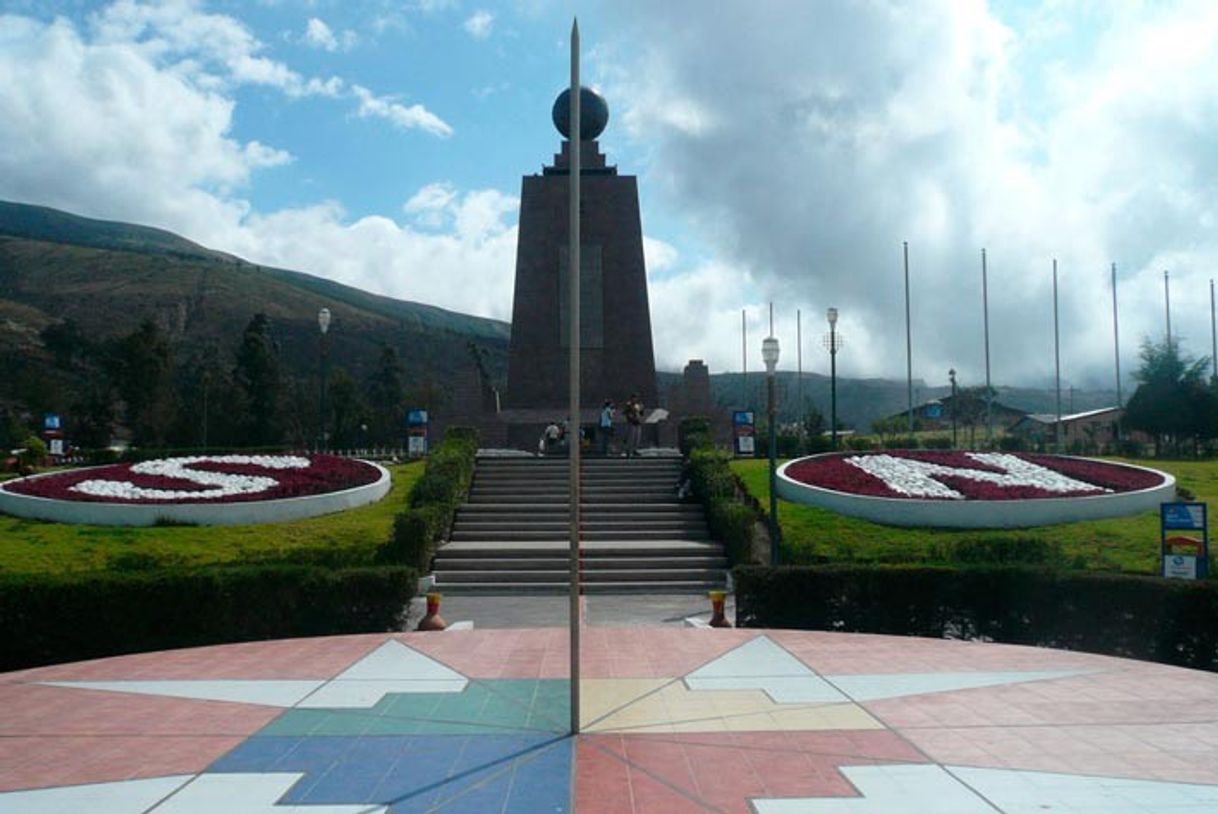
column 108, row 277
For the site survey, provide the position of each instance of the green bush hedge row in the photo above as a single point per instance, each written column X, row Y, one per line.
column 433, row 501
column 1168, row 621
column 731, row 512
column 49, row 619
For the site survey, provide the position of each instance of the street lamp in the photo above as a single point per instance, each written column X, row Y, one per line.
column 952, row 375
column 769, row 355
column 833, row 343
column 323, row 322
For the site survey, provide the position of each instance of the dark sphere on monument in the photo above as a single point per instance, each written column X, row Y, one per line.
column 593, row 113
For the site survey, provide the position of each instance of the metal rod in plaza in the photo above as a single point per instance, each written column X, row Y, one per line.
column 1167, row 305
column 1057, row 366
column 1213, row 333
column 1116, row 350
column 908, row 343
column 985, row 312
column 573, row 429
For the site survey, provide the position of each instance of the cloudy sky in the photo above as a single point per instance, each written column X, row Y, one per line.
column 785, row 150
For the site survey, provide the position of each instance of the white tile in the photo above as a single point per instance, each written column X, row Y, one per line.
column 757, row 657
column 888, row 789
column 896, row 685
column 1019, row 792
column 364, row 694
column 272, row 693
column 248, row 794
column 394, row 660
column 124, row 797
column 781, row 689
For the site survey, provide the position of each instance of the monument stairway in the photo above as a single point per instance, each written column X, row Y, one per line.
column 636, row 535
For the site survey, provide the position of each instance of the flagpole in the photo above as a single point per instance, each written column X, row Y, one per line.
column 1057, row 365
column 1167, row 306
column 1116, row 347
column 908, row 344
column 744, row 358
column 799, row 362
column 985, row 310
column 575, row 143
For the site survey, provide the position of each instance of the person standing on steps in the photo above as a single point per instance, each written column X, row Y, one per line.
column 605, row 426
column 634, row 424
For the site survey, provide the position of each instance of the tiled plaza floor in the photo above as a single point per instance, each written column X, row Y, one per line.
column 674, row 720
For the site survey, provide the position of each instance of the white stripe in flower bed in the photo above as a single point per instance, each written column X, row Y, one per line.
column 920, row 500
column 219, row 513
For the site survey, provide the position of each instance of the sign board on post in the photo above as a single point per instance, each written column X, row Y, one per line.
column 416, row 433
column 1185, row 555
column 743, row 431
column 50, row 421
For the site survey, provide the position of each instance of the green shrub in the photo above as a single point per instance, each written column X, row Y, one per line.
column 937, row 442
column 433, row 501
column 693, row 432
column 856, row 443
column 1005, row 551
column 33, row 453
column 730, row 511
column 902, row 442
column 1169, row 621
column 51, row 618
column 1012, row 443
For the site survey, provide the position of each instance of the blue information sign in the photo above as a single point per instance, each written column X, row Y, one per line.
column 1184, row 556
column 743, row 418
column 50, row 421
column 416, row 418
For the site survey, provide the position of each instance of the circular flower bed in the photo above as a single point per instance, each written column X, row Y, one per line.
column 972, row 489
column 200, row 489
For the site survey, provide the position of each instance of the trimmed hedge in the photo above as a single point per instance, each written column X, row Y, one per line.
column 1168, row 621
column 433, row 501
column 731, row 513
column 49, row 619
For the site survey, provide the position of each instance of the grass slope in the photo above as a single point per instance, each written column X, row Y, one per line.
column 1129, row 544
column 349, row 537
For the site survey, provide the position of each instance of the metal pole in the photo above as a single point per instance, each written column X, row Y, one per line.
column 833, row 383
column 322, row 418
column 774, row 532
column 1057, row 362
column 744, row 356
column 985, row 310
column 908, row 343
column 573, row 273
column 1213, row 333
column 799, row 366
column 1116, row 349
column 953, row 377
column 1167, row 306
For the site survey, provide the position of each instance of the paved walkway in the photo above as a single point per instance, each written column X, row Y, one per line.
column 674, row 720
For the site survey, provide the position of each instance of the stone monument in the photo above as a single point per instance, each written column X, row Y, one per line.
column 616, row 358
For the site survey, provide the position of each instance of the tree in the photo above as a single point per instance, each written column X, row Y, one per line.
column 257, row 380
column 348, row 413
column 968, row 406
column 91, row 420
column 386, row 397
column 142, row 370
column 1173, row 402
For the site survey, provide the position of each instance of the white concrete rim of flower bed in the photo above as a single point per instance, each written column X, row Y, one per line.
column 979, row 514
column 242, row 513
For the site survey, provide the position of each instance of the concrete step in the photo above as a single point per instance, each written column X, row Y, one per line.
column 619, row 575
column 452, row 564
column 489, row 531
column 509, row 535
column 694, row 587
column 542, row 549
column 587, row 498
column 551, row 510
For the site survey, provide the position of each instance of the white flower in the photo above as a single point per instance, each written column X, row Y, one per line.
column 222, row 485
column 916, row 478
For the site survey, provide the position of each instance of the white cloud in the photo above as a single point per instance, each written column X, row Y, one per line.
column 807, row 150
column 319, row 35
column 407, row 118
column 479, row 25
column 114, row 128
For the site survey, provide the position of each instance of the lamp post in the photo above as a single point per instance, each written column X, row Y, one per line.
column 769, row 355
column 323, row 323
column 833, row 342
column 951, row 374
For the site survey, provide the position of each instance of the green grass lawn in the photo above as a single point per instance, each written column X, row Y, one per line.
column 1129, row 544
column 349, row 537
